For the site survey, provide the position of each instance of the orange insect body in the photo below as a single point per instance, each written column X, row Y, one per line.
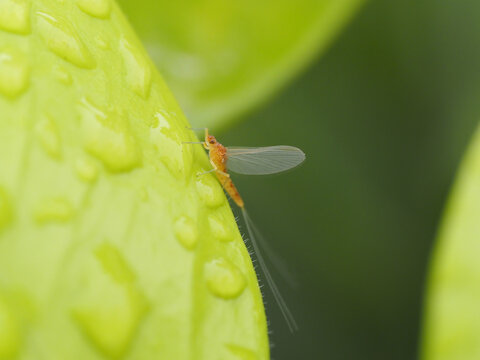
column 218, row 158
column 254, row 161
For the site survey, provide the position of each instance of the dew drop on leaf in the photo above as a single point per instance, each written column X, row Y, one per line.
column 137, row 68
column 107, row 136
column 10, row 336
column 241, row 353
column 166, row 140
column 97, row 8
column 62, row 40
column 111, row 306
column 186, row 232
column 15, row 16
column 14, row 73
column 101, row 42
column 86, row 169
column 210, row 191
column 57, row 209
column 47, row 133
column 224, row 279
column 218, row 228
column 62, row 75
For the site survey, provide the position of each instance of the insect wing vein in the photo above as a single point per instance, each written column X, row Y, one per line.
column 263, row 160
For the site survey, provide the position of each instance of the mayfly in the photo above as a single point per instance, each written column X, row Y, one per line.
column 252, row 161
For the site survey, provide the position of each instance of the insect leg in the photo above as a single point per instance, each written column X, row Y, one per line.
column 223, row 173
column 206, row 172
column 219, row 171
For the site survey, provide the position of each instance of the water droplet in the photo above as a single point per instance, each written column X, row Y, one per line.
column 87, row 170
column 101, row 42
column 48, row 135
column 62, row 75
column 186, row 232
column 241, row 353
column 56, row 209
column 14, row 73
column 6, row 214
column 210, row 191
column 137, row 67
column 111, row 307
column 108, row 137
column 224, row 279
column 15, row 16
column 162, row 118
column 10, row 335
column 165, row 135
column 114, row 264
column 111, row 319
column 154, row 121
column 63, row 41
column 97, row 8
column 219, row 228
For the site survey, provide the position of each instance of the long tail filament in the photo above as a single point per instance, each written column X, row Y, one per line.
column 253, row 234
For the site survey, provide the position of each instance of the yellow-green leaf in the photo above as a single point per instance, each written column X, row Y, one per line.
column 105, row 245
column 452, row 313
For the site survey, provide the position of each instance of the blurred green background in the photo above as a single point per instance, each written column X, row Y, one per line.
column 384, row 117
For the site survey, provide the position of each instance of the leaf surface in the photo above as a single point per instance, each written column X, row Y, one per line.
column 106, row 248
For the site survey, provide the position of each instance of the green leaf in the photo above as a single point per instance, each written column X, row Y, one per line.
column 452, row 317
column 106, row 248
column 223, row 57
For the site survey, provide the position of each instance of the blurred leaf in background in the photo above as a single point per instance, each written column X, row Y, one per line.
column 452, row 321
column 220, row 57
column 384, row 118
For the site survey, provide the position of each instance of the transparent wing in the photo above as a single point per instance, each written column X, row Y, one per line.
column 263, row 160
